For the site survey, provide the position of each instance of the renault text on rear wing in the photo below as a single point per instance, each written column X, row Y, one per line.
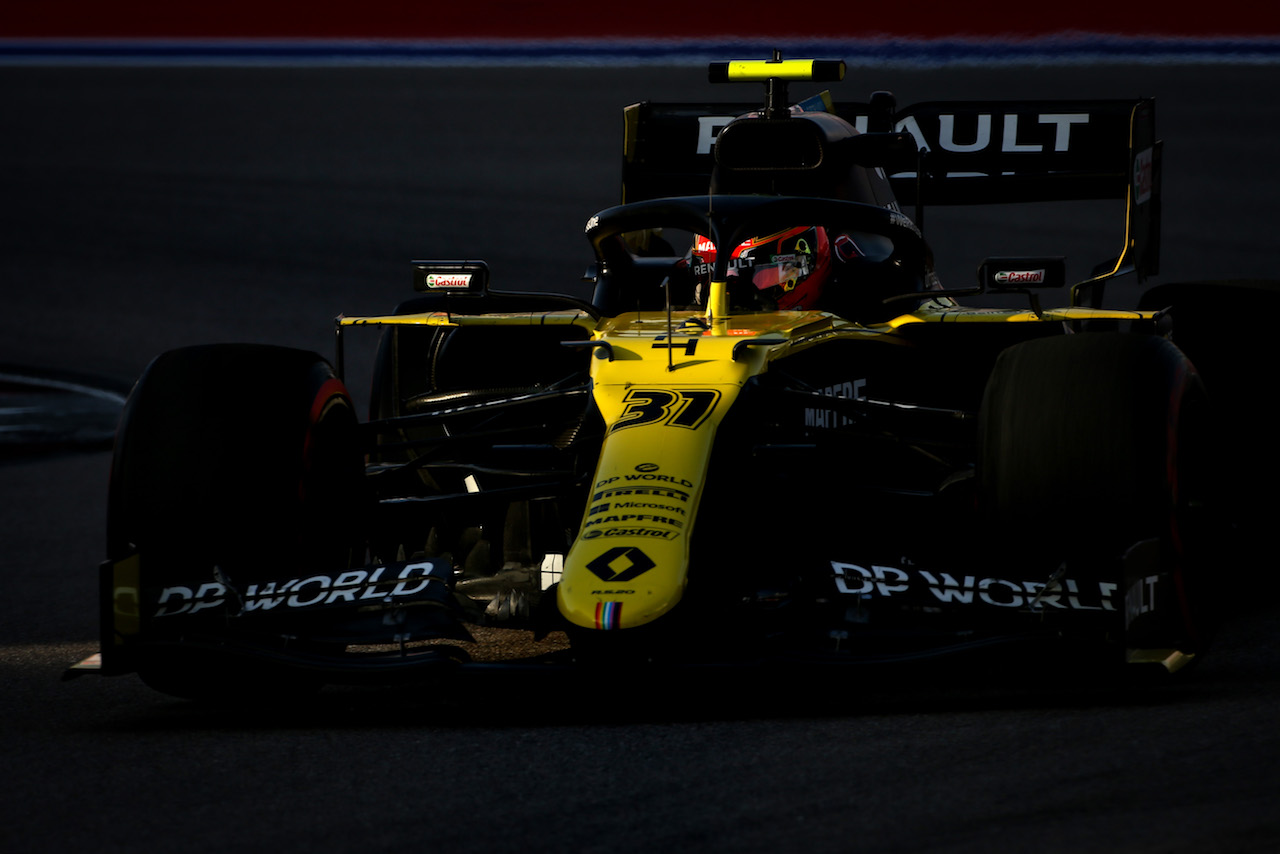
column 967, row 152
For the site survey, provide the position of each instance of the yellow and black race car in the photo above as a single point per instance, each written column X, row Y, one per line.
column 771, row 434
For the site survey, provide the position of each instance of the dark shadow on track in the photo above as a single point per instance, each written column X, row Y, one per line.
column 656, row 696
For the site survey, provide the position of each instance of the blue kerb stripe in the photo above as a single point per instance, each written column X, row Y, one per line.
column 880, row 52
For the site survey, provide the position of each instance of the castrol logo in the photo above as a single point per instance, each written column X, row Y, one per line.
column 1020, row 277
column 449, row 280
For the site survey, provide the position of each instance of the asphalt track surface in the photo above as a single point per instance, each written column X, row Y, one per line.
column 145, row 209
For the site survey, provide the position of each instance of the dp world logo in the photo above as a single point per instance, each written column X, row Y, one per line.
column 622, row 563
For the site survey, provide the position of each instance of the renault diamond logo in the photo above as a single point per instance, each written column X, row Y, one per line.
column 622, row 563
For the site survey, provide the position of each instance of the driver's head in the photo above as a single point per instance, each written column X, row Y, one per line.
column 788, row 269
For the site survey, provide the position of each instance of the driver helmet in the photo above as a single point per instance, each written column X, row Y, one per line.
column 788, row 269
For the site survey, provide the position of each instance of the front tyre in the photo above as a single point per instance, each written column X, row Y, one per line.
column 240, row 457
column 1093, row 443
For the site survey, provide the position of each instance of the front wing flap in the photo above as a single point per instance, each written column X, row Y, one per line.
column 305, row 617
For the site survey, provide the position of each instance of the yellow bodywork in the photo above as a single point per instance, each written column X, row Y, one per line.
column 126, row 596
column 662, row 396
column 663, row 385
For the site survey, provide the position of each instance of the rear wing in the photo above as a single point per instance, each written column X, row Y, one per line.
column 968, row 152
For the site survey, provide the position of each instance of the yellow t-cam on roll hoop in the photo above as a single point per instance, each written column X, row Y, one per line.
column 775, row 74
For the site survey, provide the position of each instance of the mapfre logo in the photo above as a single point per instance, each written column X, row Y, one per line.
column 1020, row 277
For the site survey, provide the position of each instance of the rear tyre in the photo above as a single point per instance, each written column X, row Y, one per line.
column 240, row 457
column 1236, row 361
column 1094, row 442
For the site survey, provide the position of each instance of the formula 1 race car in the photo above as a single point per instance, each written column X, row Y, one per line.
column 770, row 435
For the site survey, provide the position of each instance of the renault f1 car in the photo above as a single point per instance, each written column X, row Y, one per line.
column 771, row 434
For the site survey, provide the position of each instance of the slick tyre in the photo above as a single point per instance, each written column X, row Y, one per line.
column 240, row 457
column 1093, row 442
column 1236, row 360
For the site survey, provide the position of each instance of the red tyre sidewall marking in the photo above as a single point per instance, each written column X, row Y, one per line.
column 332, row 392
